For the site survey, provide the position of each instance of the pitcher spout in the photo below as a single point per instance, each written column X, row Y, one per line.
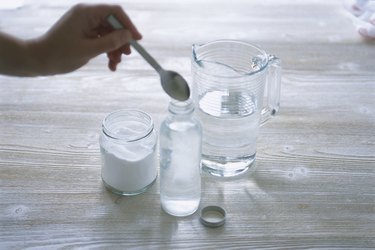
column 194, row 48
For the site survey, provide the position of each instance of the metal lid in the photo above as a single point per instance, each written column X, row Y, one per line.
column 212, row 216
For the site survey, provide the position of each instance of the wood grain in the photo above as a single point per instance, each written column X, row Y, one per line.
column 313, row 186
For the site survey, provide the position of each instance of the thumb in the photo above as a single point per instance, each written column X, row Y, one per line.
column 111, row 41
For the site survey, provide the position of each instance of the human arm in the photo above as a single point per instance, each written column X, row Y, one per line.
column 79, row 35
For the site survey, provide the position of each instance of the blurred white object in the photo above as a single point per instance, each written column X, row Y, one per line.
column 363, row 12
column 10, row 4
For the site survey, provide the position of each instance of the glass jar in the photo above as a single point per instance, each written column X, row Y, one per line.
column 128, row 152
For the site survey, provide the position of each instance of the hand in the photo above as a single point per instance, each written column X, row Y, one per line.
column 363, row 16
column 81, row 34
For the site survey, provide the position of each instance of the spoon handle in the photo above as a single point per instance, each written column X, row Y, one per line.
column 112, row 20
column 146, row 55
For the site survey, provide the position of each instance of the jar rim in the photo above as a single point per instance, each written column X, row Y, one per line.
column 127, row 115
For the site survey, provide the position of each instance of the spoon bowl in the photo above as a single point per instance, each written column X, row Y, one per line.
column 174, row 85
column 172, row 82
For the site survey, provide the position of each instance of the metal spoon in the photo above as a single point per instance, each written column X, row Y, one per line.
column 172, row 82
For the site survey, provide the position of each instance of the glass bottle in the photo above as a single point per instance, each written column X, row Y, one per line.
column 180, row 156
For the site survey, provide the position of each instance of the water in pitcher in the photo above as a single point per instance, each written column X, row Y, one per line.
column 229, row 132
column 230, row 118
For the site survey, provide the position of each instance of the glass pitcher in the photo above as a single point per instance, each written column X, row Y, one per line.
column 236, row 88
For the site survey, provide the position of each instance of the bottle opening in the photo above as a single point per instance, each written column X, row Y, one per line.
column 177, row 107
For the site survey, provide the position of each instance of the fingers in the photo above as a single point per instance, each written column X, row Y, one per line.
column 367, row 31
column 101, row 11
column 125, row 20
column 100, row 36
column 126, row 49
column 110, row 42
column 114, row 59
column 364, row 20
column 356, row 7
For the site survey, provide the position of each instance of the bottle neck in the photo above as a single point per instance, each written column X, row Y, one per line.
column 178, row 108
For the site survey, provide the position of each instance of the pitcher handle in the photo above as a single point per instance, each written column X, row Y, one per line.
column 272, row 89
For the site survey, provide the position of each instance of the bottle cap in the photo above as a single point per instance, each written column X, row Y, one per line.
column 212, row 216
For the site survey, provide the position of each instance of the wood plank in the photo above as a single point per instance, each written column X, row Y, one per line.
column 313, row 186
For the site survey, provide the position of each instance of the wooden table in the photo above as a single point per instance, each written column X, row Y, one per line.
column 314, row 184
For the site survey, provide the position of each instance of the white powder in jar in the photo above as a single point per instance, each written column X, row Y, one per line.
column 128, row 172
column 128, row 152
